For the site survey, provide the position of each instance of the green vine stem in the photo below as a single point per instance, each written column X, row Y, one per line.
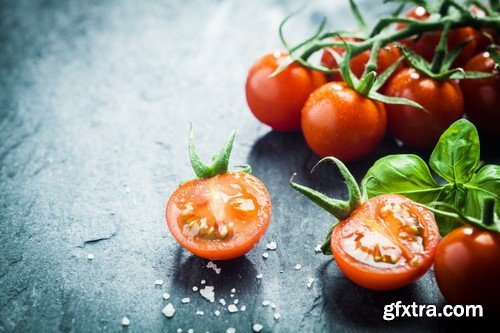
column 441, row 50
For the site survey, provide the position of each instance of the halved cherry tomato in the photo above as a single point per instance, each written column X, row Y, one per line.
column 467, row 267
column 417, row 128
column 482, row 96
column 425, row 45
column 338, row 121
column 387, row 243
column 385, row 58
column 277, row 101
column 219, row 218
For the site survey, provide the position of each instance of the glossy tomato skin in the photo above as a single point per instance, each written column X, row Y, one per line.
column 277, row 101
column 384, row 278
column 482, row 40
column 482, row 96
column 386, row 57
column 467, row 267
column 443, row 101
column 338, row 121
column 249, row 226
column 426, row 44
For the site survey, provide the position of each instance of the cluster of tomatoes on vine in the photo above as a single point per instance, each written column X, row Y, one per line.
column 345, row 111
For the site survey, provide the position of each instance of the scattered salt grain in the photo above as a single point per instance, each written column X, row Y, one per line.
column 232, row 308
column 266, row 303
column 166, row 295
column 259, row 276
column 233, row 290
column 213, row 266
column 273, row 305
column 190, row 330
column 159, row 282
column 195, row 288
column 208, row 293
column 200, row 313
column 231, row 330
column 232, row 295
column 277, row 316
column 203, row 281
column 236, row 301
column 310, row 282
column 185, row 300
column 90, row 256
column 272, row 246
column 265, row 255
column 179, row 330
column 217, row 313
column 318, row 248
column 298, row 267
column 243, row 308
column 222, row 301
column 125, row 321
column 168, row 310
column 257, row 327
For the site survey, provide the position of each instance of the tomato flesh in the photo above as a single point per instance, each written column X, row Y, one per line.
column 467, row 267
column 219, row 218
column 387, row 243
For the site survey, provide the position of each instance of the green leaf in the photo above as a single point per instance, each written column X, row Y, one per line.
column 456, row 155
column 484, row 184
column 403, row 174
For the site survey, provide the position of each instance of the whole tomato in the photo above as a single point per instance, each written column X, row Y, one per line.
column 277, row 101
column 417, row 128
column 482, row 40
column 385, row 58
column 426, row 44
column 482, row 96
column 467, row 267
column 338, row 121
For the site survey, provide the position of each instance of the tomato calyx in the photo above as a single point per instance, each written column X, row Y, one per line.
column 338, row 208
column 220, row 161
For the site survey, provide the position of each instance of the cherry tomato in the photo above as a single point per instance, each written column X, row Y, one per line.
column 482, row 96
column 482, row 41
column 425, row 45
column 387, row 243
column 417, row 128
column 277, row 101
column 467, row 267
column 385, row 58
column 338, row 121
column 219, row 218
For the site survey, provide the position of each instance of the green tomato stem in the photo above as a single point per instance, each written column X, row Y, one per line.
column 441, row 50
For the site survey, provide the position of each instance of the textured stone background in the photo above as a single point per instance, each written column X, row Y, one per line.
column 95, row 100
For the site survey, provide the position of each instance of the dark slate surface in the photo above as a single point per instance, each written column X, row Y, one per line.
column 95, row 100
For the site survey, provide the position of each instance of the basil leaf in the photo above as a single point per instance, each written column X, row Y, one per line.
column 403, row 174
column 485, row 183
column 456, row 155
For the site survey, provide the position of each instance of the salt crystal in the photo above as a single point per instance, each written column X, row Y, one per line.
column 257, row 327
column 217, row 313
column 195, row 288
column 166, row 295
column 231, row 330
column 298, row 267
column 90, row 256
column 273, row 305
column 125, row 321
column 203, row 281
column 222, row 301
column 168, row 310
column 232, row 308
column 266, row 303
column 208, row 293
column 318, row 248
column 159, row 282
column 277, row 316
column 179, row 330
column 265, row 255
column 185, row 300
column 236, row 301
column 243, row 308
column 259, row 276
column 233, row 290
column 200, row 313
column 310, row 282
column 272, row 246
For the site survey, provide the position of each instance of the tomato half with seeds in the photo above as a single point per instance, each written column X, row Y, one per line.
column 277, row 101
column 338, row 121
column 467, row 267
column 386, row 243
column 442, row 100
column 221, row 217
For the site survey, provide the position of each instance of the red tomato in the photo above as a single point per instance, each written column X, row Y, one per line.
column 385, row 58
column 277, row 101
column 338, row 121
column 482, row 96
column 417, row 128
column 387, row 243
column 425, row 45
column 219, row 218
column 482, row 41
column 467, row 267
